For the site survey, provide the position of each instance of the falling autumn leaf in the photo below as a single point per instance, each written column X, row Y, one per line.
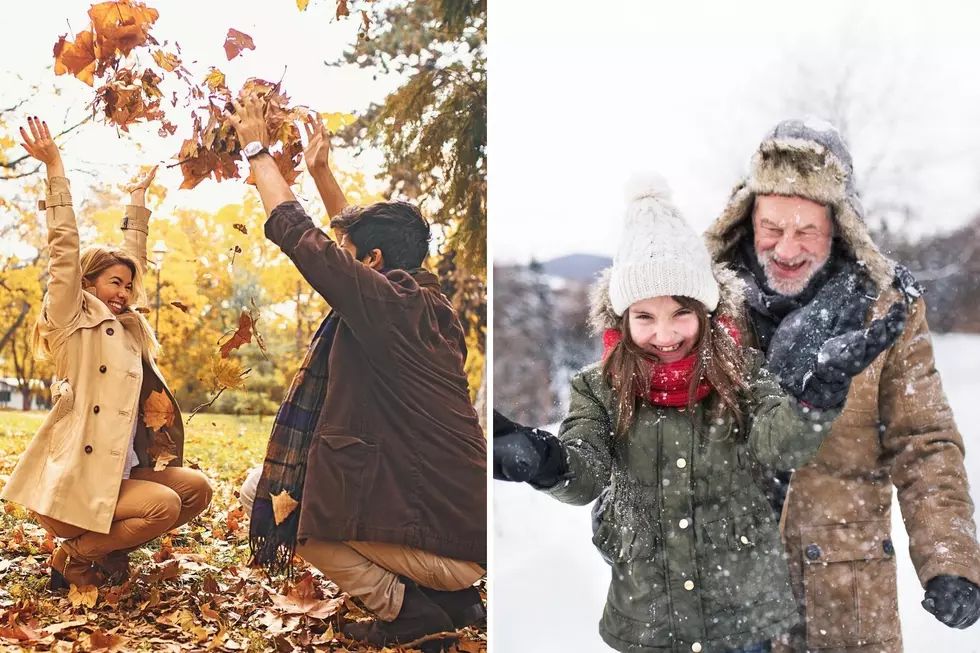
column 162, row 447
column 365, row 21
column 142, row 310
column 228, row 373
column 302, row 4
column 86, row 595
column 166, row 60
column 77, row 57
column 241, row 337
column 282, row 506
column 237, row 41
column 180, row 305
column 342, row 9
column 121, row 26
column 215, row 79
column 240, row 227
column 158, row 411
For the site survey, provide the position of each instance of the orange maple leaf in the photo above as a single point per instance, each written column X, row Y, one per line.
column 241, row 337
column 237, row 41
column 122, row 25
column 158, row 411
column 342, row 9
column 77, row 57
column 162, row 448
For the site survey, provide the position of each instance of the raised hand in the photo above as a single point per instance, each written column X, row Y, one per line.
column 818, row 349
column 248, row 120
column 953, row 600
column 317, row 152
column 137, row 190
column 41, row 146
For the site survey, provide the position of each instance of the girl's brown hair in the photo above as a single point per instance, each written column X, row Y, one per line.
column 719, row 359
column 93, row 261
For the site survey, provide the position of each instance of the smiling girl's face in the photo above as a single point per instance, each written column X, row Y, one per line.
column 114, row 287
column 664, row 328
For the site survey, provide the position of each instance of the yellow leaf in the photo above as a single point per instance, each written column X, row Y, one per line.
column 158, row 411
column 337, row 121
column 282, row 506
column 215, row 79
column 228, row 373
column 165, row 60
column 86, row 595
column 302, row 4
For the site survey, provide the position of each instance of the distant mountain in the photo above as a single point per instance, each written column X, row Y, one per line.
column 576, row 267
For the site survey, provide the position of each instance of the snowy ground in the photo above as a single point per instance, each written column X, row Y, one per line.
column 550, row 583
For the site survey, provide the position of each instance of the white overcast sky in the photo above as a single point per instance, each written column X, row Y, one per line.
column 583, row 94
column 285, row 39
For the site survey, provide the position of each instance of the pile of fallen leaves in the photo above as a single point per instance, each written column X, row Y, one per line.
column 191, row 591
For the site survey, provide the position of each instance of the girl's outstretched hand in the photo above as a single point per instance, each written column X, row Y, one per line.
column 317, row 152
column 41, row 146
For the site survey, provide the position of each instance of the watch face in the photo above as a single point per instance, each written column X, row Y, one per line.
column 253, row 148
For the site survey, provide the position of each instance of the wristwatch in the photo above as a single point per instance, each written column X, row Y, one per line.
column 254, row 149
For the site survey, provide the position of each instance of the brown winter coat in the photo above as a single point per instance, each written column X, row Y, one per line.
column 72, row 468
column 896, row 429
column 398, row 454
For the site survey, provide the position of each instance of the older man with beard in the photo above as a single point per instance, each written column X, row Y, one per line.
column 794, row 228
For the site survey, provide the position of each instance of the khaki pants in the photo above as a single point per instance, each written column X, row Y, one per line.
column 150, row 504
column 370, row 570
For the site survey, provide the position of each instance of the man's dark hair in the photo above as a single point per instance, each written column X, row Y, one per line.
column 398, row 229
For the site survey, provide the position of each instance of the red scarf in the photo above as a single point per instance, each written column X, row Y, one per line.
column 670, row 383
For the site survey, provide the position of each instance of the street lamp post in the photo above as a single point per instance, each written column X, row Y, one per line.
column 159, row 251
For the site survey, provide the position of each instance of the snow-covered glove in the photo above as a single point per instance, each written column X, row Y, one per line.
column 521, row 454
column 953, row 600
column 818, row 348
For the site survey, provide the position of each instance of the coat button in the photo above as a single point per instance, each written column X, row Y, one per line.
column 743, row 540
column 888, row 547
column 813, row 552
column 689, row 585
column 109, row 331
column 88, row 448
column 681, row 463
column 696, row 647
column 102, row 369
column 683, row 523
column 96, row 410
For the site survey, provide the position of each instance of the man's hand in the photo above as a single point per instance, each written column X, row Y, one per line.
column 137, row 191
column 248, row 119
column 317, row 152
column 41, row 146
column 953, row 600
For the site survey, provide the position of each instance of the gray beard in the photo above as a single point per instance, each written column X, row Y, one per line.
column 778, row 286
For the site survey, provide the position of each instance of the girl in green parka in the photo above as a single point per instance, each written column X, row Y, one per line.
column 670, row 427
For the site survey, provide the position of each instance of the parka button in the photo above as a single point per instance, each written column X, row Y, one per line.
column 109, row 331
column 88, row 448
column 696, row 647
column 743, row 540
column 683, row 523
column 96, row 410
column 102, row 368
column 689, row 585
column 888, row 547
column 813, row 552
column 681, row 463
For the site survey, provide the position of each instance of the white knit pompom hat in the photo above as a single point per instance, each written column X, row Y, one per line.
column 659, row 253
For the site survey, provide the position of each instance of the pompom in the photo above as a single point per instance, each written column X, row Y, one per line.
column 647, row 185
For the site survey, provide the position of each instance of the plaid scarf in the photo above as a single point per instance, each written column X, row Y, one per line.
column 273, row 545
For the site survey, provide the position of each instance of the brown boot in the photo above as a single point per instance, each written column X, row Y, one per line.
column 418, row 618
column 67, row 571
column 116, row 565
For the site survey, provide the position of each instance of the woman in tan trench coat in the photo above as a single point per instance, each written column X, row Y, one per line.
column 87, row 474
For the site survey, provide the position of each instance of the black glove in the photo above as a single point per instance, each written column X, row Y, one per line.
column 818, row 348
column 953, row 600
column 524, row 454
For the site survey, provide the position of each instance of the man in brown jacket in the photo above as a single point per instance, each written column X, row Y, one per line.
column 377, row 438
column 794, row 228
